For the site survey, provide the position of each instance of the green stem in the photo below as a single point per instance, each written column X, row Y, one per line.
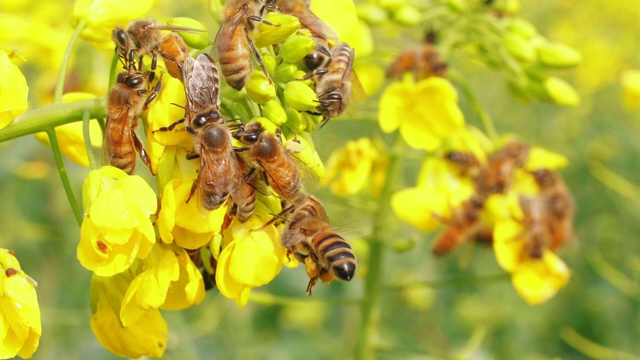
column 368, row 325
column 455, row 281
column 57, row 97
column 48, row 117
column 63, row 175
column 86, row 132
column 476, row 105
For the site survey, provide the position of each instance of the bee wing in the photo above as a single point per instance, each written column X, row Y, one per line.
column 357, row 90
column 176, row 28
column 226, row 32
column 317, row 27
column 114, row 134
column 203, row 83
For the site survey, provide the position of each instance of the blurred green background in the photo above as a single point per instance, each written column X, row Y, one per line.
column 466, row 307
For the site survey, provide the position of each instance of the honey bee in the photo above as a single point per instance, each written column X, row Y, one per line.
column 269, row 155
column 336, row 82
column 559, row 205
column 311, row 240
column 212, row 142
column 319, row 30
column 499, row 172
column 423, row 61
column 537, row 234
column 468, row 163
column 144, row 37
column 462, row 226
column 127, row 99
column 232, row 43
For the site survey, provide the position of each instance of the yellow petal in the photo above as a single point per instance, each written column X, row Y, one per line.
column 13, row 90
column 188, row 290
column 343, row 22
column 539, row 280
column 392, row 105
column 417, row 207
column 508, row 244
column 540, row 158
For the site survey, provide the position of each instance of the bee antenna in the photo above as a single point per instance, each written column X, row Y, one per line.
column 183, row 107
column 236, row 119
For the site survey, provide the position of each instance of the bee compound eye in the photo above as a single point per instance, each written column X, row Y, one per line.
column 199, row 121
column 121, row 38
column 335, row 97
column 314, row 60
column 134, row 81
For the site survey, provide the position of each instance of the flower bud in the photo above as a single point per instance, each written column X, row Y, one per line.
column 561, row 92
column 196, row 40
column 269, row 62
column 296, row 47
column 371, row 14
column 274, row 111
column 267, row 124
column 295, row 121
column 558, row 55
column 283, row 26
column 300, row 96
column 259, row 88
column 522, row 27
column 407, row 15
column 391, row 5
column 519, row 47
column 286, row 72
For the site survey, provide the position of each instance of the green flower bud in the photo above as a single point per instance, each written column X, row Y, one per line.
column 518, row 46
column 296, row 47
column 300, row 96
column 391, row 5
column 283, row 26
column 311, row 121
column 522, row 27
column 407, row 15
column 269, row 62
column 286, row 72
column 558, row 55
column 195, row 40
column 299, row 74
column 274, row 111
column 295, row 121
column 371, row 14
column 561, row 92
column 259, row 88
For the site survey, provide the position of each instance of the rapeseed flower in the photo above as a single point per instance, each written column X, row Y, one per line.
column 116, row 228
column 349, row 168
column 144, row 336
column 20, row 325
column 13, row 90
column 425, row 112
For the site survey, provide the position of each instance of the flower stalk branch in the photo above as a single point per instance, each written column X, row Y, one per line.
column 57, row 97
column 64, row 176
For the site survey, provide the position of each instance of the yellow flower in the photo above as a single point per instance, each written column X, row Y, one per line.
column 102, row 16
column 631, row 89
column 116, row 227
column 251, row 258
column 425, row 112
column 189, row 224
column 71, row 135
column 352, row 165
column 341, row 16
column 439, row 191
column 146, row 336
column 535, row 280
column 20, row 326
column 540, row 158
column 13, row 90
column 154, row 284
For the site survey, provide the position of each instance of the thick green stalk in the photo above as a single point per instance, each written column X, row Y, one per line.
column 63, row 175
column 48, row 117
column 86, row 133
column 368, row 323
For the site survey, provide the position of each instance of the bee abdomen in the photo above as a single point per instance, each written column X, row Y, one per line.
column 235, row 63
column 338, row 254
column 245, row 210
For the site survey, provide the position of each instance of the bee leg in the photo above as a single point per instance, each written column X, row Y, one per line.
column 276, row 217
column 249, row 174
column 192, row 191
column 191, row 156
column 154, row 93
column 170, row 127
column 317, row 72
column 258, row 57
column 152, row 70
column 140, row 149
column 269, row 7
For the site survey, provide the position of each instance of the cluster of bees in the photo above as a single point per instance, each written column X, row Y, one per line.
column 230, row 173
column 547, row 217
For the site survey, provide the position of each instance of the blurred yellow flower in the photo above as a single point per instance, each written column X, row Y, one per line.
column 425, row 112
column 71, row 135
column 349, row 168
column 540, row 158
column 20, row 325
column 116, row 227
column 146, row 336
column 439, row 191
column 631, row 89
column 187, row 223
column 13, row 90
column 102, row 16
column 251, row 258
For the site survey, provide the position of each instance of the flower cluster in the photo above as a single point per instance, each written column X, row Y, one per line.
column 20, row 316
column 211, row 222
